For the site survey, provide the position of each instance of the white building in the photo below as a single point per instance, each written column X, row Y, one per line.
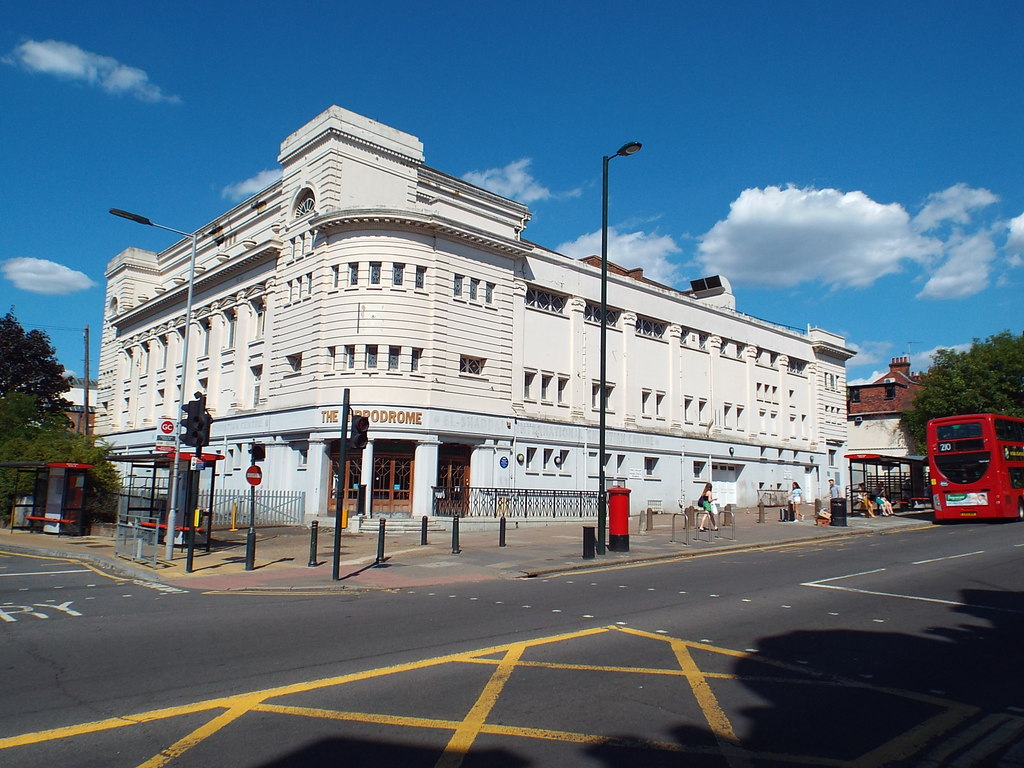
column 474, row 352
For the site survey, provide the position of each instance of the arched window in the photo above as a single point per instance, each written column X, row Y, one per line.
column 305, row 205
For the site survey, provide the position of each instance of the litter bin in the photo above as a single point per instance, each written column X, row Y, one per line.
column 838, row 509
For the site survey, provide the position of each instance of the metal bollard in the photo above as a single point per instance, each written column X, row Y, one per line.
column 455, row 535
column 380, row 543
column 589, row 542
column 314, row 529
column 760, row 511
column 423, row 531
column 501, row 531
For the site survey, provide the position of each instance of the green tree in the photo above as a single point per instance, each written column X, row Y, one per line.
column 987, row 378
column 28, row 366
column 27, row 435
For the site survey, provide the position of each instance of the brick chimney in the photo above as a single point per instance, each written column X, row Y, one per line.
column 900, row 365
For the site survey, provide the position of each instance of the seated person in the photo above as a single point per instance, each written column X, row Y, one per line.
column 884, row 505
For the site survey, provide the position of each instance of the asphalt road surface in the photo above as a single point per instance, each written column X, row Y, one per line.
column 902, row 649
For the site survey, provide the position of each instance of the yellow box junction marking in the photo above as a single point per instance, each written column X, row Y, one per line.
column 505, row 659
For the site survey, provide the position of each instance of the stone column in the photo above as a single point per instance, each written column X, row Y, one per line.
column 424, row 477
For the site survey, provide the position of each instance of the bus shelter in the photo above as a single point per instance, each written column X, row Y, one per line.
column 144, row 498
column 901, row 479
column 51, row 496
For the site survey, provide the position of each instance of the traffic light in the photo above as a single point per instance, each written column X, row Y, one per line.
column 359, row 436
column 196, row 423
column 257, row 452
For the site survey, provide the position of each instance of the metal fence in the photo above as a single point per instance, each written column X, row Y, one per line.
column 272, row 507
column 521, row 503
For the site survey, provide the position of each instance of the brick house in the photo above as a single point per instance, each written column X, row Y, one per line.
column 873, row 411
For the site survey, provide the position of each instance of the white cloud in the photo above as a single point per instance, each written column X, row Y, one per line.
column 630, row 250
column 42, row 276
column 244, row 189
column 966, row 269
column 1015, row 241
column 68, row 61
column 954, row 204
column 514, row 181
column 870, row 352
column 922, row 361
column 779, row 237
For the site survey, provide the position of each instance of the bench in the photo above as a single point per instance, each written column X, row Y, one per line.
column 42, row 520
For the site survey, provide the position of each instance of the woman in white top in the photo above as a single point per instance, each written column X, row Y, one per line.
column 796, row 496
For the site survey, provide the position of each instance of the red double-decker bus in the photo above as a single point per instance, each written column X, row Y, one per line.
column 977, row 467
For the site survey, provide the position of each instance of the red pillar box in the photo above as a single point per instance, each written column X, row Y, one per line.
column 618, row 519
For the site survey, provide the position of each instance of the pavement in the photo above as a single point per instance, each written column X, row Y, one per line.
column 532, row 549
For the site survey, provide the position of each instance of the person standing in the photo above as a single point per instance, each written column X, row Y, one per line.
column 707, row 503
column 796, row 497
column 833, row 489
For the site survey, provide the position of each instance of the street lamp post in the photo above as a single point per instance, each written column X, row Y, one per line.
column 183, row 379
column 602, row 498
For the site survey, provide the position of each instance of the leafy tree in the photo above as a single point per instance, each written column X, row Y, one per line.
column 25, row 435
column 28, row 366
column 987, row 378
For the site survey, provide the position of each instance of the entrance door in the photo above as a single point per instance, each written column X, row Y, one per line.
column 724, row 477
column 392, row 485
column 452, row 494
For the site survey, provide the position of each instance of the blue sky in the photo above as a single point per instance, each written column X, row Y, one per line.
column 853, row 166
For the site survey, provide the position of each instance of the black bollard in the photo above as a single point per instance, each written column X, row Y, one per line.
column 313, row 534
column 455, row 535
column 501, row 531
column 380, row 543
column 423, row 531
column 589, row 542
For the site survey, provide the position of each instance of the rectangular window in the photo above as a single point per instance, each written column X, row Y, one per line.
column 688, row 410
column 592, row 314
column 415, row 355
column 549, row 302
column 309, row 284
column 471, row 365
column 563, row 384
column 397, row 274
column 650, row 466
column 374, row 273
column 645, row 403
column 350, row 356
column 645, row 326
column 294, row 362
column 594, row 399
column 261, row 319
column 474, row 288
column 659, row 404
column 207, row 332
column 457, row 285
column 371, row 355
column 545, row 387
column 335, row 276
column 232, row 322
column 854, row 394
column 528, row 379
column 489, row 293
column 394, row 353
column 531, row 457
column 549, row 454
column 257, row 381
column 421, row 277
column 353, row 274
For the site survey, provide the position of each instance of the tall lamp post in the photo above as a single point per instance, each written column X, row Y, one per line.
column 182, row 380
column 602, row 498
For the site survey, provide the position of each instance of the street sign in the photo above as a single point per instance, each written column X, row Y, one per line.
column 254, row 475
column 165, row 432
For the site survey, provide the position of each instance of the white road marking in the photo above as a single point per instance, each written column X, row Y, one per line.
column 949, row 557
column 46, row 573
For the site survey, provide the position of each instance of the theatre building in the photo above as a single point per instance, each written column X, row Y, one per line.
column 474, row 353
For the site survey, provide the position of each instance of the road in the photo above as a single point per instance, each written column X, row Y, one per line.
column 900, row 649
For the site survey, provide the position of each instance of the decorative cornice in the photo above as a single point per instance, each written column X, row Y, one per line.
column 350, row 218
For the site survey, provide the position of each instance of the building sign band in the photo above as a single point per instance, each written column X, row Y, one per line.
column 376, row 416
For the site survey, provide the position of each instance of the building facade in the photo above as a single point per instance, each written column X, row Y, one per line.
column 473, row 352
column 874, row 411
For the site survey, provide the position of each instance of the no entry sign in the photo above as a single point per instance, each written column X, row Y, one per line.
column 254, row 475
